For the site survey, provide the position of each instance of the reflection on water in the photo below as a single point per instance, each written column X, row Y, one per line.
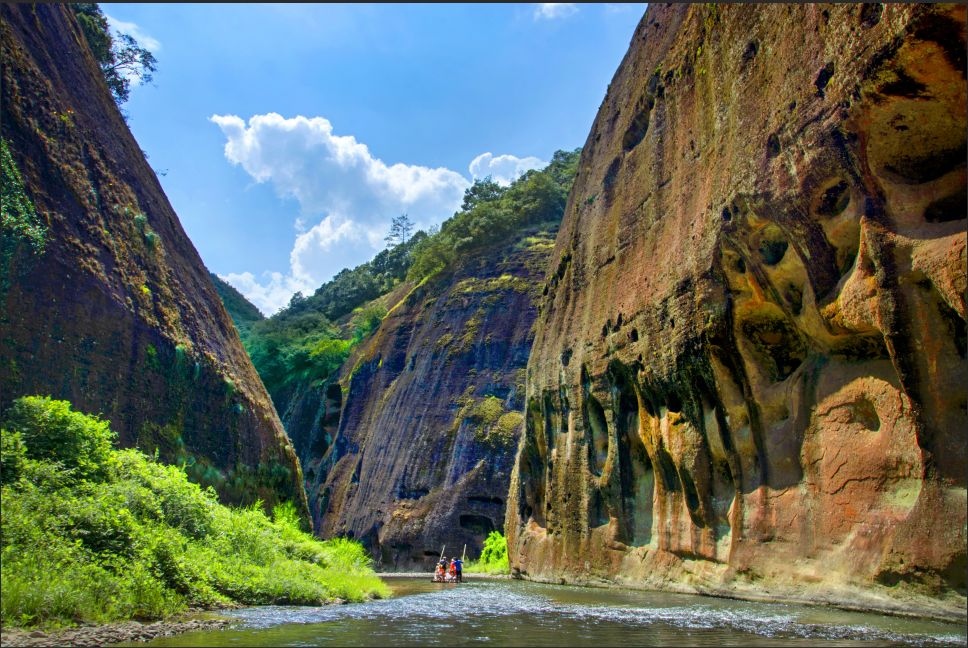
column 501, row 613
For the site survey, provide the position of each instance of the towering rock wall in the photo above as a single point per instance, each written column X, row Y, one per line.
column 416, row 451
column 113, row 309
column 749, row 368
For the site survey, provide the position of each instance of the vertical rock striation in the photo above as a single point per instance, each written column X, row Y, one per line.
column 113, row 309
column 749, row 367
column 416, row 451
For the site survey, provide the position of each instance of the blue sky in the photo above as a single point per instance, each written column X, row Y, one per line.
column 290, row 134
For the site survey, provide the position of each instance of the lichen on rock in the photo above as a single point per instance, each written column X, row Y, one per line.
column 749, row 364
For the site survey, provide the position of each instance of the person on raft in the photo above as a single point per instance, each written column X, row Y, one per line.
column 457, row 569
column 440, row 573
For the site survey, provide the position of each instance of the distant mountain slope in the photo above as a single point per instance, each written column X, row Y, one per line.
column 243, row 312
column 105, row 301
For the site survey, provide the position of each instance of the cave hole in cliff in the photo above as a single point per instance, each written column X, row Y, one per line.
column 692, row 499
column 608, row 182
column 750, row 52
column 597, row 427
column 637, row 479
column 772, row 146
column 823, row 78
column 634, row 335
column 777, row 343
column 667, row 469
column 957, row 327
column 920, row 166
column 834, row 199
column 950, row 208
column 477, row 524
column 597, row 509
column 531, row 467
column 870, row 13
column 639, row 125
column 673, row 403
column 551, row 423
column 947, row 33
column 773, row 246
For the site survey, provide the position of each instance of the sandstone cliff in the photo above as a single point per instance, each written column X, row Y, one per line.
column 749, row 368
column 111, row 307
column 416, row 450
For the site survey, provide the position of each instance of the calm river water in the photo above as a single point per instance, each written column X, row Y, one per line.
column 516, row 613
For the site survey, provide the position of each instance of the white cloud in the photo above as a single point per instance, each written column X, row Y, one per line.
column 272, row 293
column 553, row 10
column 503, row 169
column 133, row 30
column 346, row 195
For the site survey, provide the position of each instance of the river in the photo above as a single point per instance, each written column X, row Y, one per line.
column 517, row 613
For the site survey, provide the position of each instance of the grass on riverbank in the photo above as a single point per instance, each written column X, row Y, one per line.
column 95, row 534
column 494, row 557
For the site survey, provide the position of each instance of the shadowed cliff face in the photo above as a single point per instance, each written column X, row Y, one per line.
column 417, row 451
column 117, row 313
column 749, row 366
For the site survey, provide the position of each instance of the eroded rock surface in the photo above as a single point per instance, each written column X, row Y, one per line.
column 417, row 451
column 749, row 368
column 117, row 313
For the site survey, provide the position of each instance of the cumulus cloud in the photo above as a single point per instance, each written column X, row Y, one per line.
column 133, row 30
column 553, row 10
column 347, row 194
column 503, row 169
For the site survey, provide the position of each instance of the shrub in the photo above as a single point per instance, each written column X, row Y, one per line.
column 51, row 431
column 12, row 455
column 494, row 556
column 117, row 535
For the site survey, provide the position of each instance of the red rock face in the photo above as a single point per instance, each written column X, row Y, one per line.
column 749, row 368
column 429, row 420
column 118, row 314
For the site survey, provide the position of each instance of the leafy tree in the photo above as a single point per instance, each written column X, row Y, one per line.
column 121, row 59
column 400, row 228
column 483, row 190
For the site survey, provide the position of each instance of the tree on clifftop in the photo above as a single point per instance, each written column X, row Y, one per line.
column 121, row 59
column 400, row 228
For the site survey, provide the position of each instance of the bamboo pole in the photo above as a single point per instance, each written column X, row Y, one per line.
column 442, row 547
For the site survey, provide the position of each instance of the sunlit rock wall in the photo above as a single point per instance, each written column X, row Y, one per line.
column 118, row 314
column 429, row 421
column 749, row 372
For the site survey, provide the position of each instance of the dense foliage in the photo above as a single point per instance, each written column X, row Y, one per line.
column 95, row 534
column 494, row 556
column 302, row 341
column 18, row 218
column 491, row 213
column 243, row 313
column 121, row 59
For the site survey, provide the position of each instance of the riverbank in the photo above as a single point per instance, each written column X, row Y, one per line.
column 875, row 600
column 468, row 576
column 111, row 633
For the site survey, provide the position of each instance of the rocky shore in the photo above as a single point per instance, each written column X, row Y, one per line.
column 112, row 633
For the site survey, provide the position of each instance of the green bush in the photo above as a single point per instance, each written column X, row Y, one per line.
column 18, row 218
column 52, row 432
column 494, row 556
column 116, row 535
column 12, row 455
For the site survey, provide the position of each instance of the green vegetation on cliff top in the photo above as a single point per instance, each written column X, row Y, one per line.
column 95, row 534
column 240, row 309
column 305, row 341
